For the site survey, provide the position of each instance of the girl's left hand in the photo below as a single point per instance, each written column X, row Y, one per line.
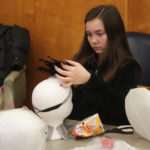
column 74, row 74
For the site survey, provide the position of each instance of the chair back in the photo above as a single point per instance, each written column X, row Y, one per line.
column 139, row 44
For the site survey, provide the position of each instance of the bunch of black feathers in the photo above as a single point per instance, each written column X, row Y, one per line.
column 49, row 65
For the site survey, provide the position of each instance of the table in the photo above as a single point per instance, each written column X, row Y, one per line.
column 132, row 139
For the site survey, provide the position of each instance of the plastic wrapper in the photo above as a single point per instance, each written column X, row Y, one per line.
column 21, row 129
column 107, row 143
column 88, row 127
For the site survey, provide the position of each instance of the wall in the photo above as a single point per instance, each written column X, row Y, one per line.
column 56, row 27
column 138, row 16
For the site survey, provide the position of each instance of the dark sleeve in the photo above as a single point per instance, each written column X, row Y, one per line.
column 111, row 98
column 126, row 78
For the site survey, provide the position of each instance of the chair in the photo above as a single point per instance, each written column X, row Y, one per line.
column 14, row 89
column 139, row 44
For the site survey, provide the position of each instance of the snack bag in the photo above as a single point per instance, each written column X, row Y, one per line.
column 90, row 126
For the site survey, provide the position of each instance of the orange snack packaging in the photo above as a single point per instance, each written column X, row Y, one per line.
column 88, row 127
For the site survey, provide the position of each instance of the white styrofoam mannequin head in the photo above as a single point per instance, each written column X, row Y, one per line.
column 21, row 129
column 137, row 105
column 52, row 102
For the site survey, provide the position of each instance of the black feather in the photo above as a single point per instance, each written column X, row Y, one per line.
column 48, row 67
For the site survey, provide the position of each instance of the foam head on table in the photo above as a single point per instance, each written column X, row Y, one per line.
column 53, row 103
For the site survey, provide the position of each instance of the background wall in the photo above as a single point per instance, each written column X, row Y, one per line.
column 57, row 27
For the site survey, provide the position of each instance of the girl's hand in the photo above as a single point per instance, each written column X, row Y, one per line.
column 74, row 74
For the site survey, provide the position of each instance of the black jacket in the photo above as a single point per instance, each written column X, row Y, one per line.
column 97, row 96
column 14, row 45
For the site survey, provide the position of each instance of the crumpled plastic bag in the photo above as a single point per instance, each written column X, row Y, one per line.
column 88, row 127
column 103, row 144
column 21, row 129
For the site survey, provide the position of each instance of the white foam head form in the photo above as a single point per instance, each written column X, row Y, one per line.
column 21, row 129
column 47, row 94
column 137, row 105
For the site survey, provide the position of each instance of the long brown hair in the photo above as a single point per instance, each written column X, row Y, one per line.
column 117, row 50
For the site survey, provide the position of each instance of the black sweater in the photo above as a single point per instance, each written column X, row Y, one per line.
column 108, row 100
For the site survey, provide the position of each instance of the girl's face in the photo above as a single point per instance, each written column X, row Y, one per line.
column 96, row 35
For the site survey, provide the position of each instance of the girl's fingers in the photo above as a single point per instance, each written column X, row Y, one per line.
column 73, row 63
column 65, row 85
column 61, row 71
column 67, row 67
column 64, row 79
